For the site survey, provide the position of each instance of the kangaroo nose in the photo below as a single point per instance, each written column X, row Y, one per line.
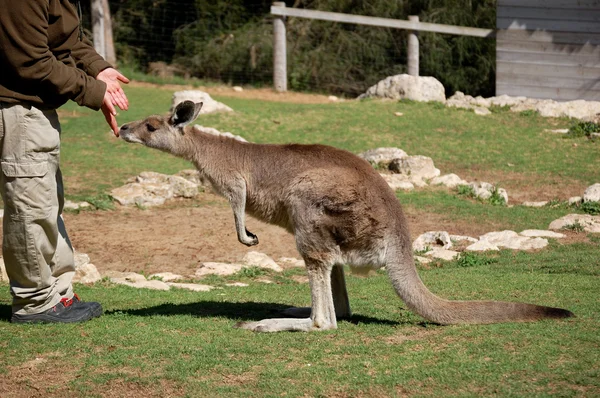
column 124, row 127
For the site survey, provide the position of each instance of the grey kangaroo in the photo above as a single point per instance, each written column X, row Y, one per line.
column 339, row 210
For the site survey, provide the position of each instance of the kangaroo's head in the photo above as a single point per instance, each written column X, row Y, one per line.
column 162, row 132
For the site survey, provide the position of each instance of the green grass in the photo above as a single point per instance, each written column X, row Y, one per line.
column 181, row 343
column 93, row 161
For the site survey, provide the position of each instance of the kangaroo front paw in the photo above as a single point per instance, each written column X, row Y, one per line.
column 250, row 239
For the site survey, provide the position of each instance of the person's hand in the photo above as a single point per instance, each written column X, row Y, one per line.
column 112, row 77
column 110, row 113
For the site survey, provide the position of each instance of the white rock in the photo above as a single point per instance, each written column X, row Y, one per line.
column 587, row 222
column 512, row 240
column 541, row 233
column 535, row 204
column 237, row 89
column 127, row 276
column 404, row 86
column 196, row 287
column 261, row 260
column 557, row 131
column 481, row 246
column 222, row 269
column 87, row 274
column 75, row 205
column 196, row 96
column 592, row 193
column 460, row 238
column 432, row 239
column 443, row 254
column 481, row 111
column 415, row 168
column 448, row 180
column 423, row 260
column 382, row 156
column 237, row 284
column 166, row 276
column 575, row 200
column 398, row 181
column 333, row 98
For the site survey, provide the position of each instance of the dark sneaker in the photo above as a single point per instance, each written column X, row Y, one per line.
column 94, row 307
column 66, row 311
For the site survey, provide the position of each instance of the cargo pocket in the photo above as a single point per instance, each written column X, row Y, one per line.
column 28, row 188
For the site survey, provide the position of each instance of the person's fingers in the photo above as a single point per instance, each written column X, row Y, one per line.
column 111, row 120
column 122, row 78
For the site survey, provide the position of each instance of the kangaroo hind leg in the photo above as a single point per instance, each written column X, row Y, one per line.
column 340, row 297
column 322, row 313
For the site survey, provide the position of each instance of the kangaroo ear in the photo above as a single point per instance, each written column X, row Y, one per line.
column 185, row 113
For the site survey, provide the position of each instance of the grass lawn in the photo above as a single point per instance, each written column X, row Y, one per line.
column 181, row 343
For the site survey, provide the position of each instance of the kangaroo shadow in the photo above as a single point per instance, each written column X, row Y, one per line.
column 248, row 311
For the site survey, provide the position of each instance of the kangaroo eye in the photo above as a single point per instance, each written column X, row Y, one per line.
column 150, row 127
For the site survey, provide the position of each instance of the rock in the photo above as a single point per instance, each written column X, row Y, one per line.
column 237, row 284
column 448, row 180
column 196, row 287
column 382, row 157
column 423, row 260
column 586, row 222
column 432, row 239
column 404, row 86
column 237, row 89
column 512, row 240
column 135, row 280
column 535, row 204
column 442, row 254
column 541, row 233
column 416, row 168
column 592, row 193
column 460, row 238
column 485, row 190
column 482, row 111
column 166, row 276
column 87, row 274
column 76, row 205
column 333, row 98
column 398, row 181
column 222, row 269
column 153, row 189
column 213, row 131
column 209, row 104
column 557, row 131
column 261, row 260
column 575, row 200
column 481, row 246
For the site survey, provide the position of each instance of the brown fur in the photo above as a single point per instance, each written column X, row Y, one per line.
column 338, row 208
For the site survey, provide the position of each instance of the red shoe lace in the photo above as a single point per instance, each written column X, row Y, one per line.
column 67, row 302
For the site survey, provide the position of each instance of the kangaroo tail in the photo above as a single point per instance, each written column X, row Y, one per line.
column 403, row 273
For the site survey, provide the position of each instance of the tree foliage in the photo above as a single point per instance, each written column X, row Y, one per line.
column 232, row 42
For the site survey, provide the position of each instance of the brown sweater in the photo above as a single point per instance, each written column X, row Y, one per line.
column 43, row 59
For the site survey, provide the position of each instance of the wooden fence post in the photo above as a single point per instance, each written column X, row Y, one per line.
column 413, row 48
column 279, row 51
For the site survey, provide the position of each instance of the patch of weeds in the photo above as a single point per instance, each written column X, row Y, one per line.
column 575, row 227
column 499, row 109
column 438, row 105
column 251, row 272
column 466, row 190
column 101, row 202
column 496, row 199
column 422, row 252
column 557, row 204
column 470, row 259
column 528, row 113
column 140, row 206
column 583, row 129
column 592, row 208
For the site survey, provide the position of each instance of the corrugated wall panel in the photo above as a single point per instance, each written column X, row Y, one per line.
column 548, row 49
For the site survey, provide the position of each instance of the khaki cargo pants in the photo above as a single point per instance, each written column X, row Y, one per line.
column 37, row 252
